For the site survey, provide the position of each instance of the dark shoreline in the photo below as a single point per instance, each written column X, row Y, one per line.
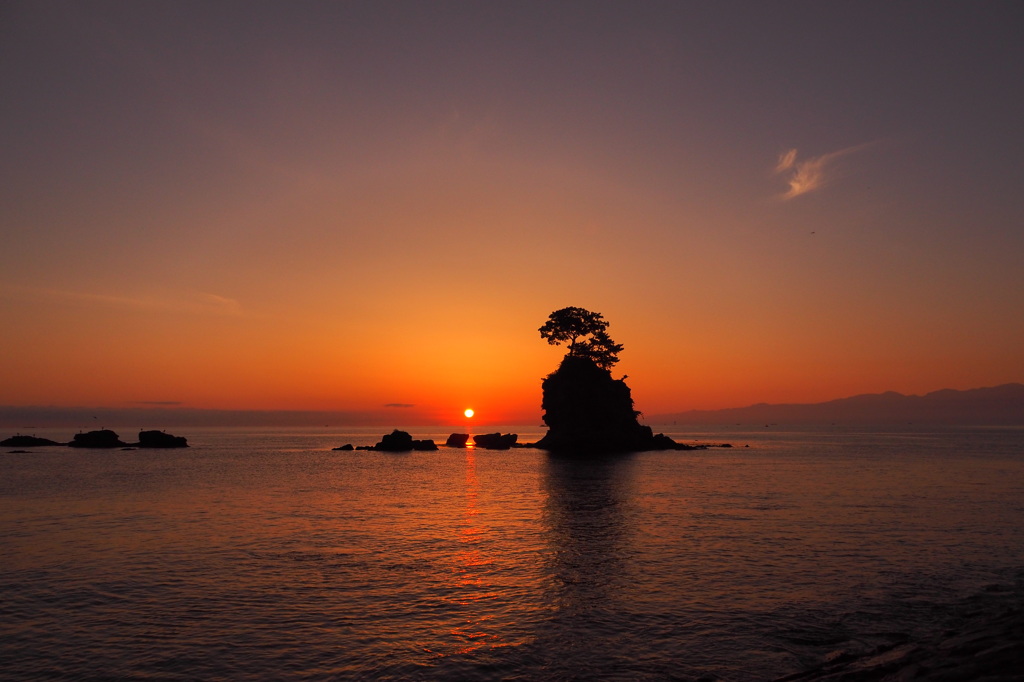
column 981, row 640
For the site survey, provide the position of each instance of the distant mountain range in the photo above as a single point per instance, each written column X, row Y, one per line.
column 997, row 405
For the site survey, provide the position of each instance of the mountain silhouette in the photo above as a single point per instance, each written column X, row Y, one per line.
column 993, row 406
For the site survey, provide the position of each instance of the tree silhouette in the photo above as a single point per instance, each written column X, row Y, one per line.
column 586, row 334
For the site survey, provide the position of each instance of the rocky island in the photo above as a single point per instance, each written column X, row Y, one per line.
column 102, row 438
column 396, row 441
column 585, row 408
column 159, row 439
column 495, row 441
column 105, row 438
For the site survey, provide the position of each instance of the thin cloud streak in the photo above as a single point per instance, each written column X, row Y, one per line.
column 786, row 161
column 195, row 303
column 810, row 174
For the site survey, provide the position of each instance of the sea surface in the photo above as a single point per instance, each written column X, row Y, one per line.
column 263, row 554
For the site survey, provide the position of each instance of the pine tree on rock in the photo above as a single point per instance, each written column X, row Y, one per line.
column 586, row 334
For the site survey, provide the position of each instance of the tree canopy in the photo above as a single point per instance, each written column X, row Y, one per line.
column 585, row 333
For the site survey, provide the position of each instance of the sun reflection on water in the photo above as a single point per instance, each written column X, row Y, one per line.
column 471, row 591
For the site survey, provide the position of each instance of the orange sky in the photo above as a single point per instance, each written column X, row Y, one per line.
column 338, row 208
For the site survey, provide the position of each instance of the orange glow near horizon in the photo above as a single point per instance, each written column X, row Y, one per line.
column 310, row 341
column 266, row 242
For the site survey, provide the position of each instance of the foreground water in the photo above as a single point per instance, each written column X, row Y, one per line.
column 265, row 555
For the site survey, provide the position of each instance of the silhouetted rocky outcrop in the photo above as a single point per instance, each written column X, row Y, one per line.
column 586, row 410
column 396, row 441
column 400, row 441
column 159, row 439
column 346, row 446
column 457, row 440
column 20, row 441
column 104, row 438
column 495, row 441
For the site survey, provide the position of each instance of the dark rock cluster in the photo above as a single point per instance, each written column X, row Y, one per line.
column 487, row 441
column 102, row 439
column 495, row 441
column 105, row 438
column 397, row 441
column 401, row 441
column 159, row 439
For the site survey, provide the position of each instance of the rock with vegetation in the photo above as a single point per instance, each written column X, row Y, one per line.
column 159, row 439
column 104, row 438
column 585, row 408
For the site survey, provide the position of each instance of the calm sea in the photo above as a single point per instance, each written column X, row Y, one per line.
column 265, row 555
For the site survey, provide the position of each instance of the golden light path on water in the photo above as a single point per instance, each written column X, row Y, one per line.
column 472, row 562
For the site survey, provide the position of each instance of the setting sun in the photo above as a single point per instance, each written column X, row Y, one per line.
column 469, row 413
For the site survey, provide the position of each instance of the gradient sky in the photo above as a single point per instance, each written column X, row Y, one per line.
column 328, row 205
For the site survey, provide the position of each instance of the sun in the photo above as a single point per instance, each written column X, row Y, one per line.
column 469, row 412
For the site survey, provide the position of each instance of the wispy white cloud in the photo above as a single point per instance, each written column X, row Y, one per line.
column 810, row 174
column 189, row 303
column 786, row 161
column 217, row 303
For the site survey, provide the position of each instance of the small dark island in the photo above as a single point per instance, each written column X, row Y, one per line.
column 457, row 440
column 398, row 441
column 104, row 438
column 159, row 439
column 495, row 441
column 20, row 441
column 585, row 409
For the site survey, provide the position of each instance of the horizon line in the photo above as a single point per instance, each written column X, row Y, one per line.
column 16, row 416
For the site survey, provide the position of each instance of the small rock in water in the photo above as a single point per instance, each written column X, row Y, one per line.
column 159, row 439
column 457, row 440
column 104, row 438
column 495, row 441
